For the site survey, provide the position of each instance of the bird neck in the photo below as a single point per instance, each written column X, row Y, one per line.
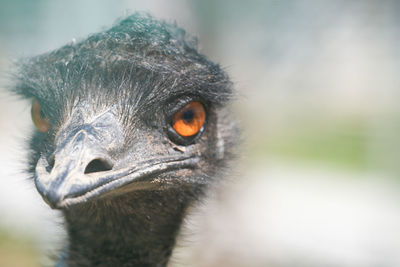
column 136, row 229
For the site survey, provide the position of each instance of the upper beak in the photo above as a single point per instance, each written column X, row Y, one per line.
column 81, row 160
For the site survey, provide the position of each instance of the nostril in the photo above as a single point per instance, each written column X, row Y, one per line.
column 98, row 165
column 51, row 162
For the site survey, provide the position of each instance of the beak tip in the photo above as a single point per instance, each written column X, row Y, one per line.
column 53, row 200
column 49, row 189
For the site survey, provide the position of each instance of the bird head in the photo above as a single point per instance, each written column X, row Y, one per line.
column 135, row 107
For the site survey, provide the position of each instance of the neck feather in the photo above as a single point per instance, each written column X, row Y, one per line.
column 136, row 229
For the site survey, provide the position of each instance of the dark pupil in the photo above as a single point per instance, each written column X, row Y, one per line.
column 42, row 114
column 188, row 115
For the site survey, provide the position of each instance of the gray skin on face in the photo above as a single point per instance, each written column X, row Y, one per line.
column 111, row 160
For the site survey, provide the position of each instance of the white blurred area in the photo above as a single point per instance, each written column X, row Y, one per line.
column 278, row 215
column 301, row 68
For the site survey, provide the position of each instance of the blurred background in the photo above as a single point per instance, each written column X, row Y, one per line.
column 318, row 182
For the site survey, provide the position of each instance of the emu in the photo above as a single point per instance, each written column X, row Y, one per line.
column 132, row 127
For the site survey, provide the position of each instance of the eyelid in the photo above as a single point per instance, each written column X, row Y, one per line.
column 174, row 105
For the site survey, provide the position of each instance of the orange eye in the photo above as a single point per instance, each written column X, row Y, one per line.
column 40, row 119
column 189, row 120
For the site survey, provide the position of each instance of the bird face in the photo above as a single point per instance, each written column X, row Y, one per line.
column 133, row 108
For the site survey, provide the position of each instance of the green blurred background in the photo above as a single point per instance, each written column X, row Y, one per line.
column 317, row 101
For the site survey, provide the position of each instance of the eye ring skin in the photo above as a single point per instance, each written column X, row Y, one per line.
column 171, row 132
column 40, row 120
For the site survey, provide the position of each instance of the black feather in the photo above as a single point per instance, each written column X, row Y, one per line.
column 142, row 69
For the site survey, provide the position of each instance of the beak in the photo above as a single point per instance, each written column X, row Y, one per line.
column 83, row 168
column 80, row 160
